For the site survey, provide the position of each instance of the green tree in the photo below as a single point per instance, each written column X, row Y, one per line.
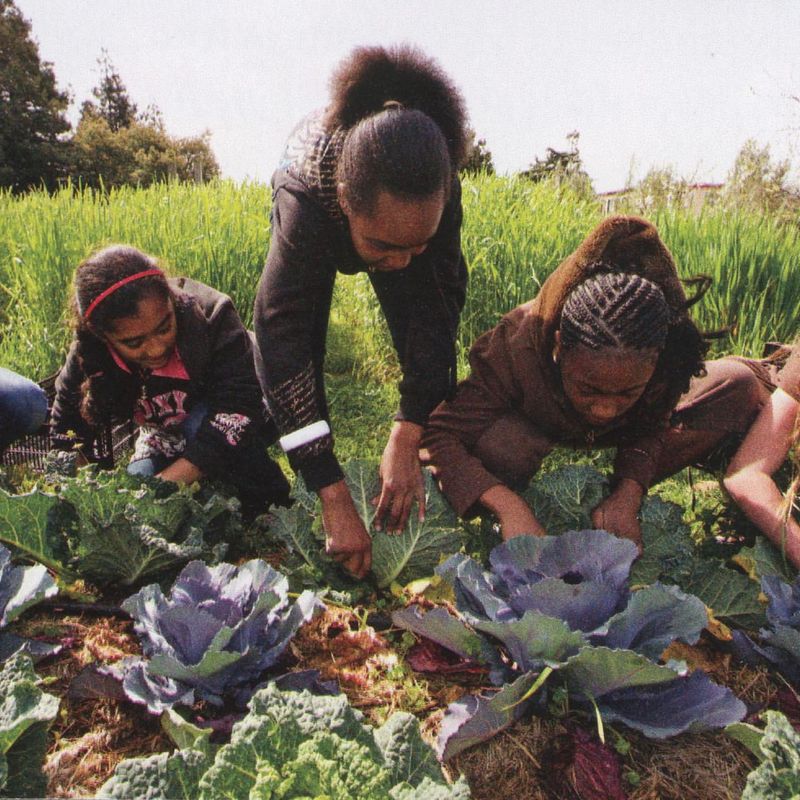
column 757, row 183
column 114, row 145
column 114, row 104
column 479, row 158
column 660, row 187
column 563, row 167
column 32, row 122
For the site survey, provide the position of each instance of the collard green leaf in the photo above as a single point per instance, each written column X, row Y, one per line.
column 306, row 564
column 25, row 715
column 29, row 524
column 778, row 775
column 763, row 559
column 668, row 547
column 730, row 595
column 416, row 551
column 563, row 500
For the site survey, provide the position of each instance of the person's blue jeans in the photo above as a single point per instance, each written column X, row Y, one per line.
column 23, row 407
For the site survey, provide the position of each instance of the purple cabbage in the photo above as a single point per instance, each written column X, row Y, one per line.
column 779, row 643
column 560, row 605
column 21, row 588
column 213, row 637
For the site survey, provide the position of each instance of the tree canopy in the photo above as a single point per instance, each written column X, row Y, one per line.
column 113, row 143
column 33, row 121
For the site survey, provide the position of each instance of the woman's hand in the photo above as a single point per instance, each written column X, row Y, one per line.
column 512, row 512
column 346, row 538
column 619, row 512
column 401, row 478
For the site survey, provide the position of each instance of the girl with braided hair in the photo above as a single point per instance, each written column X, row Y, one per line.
column 173, row 354
column 370, row 184
column 605, row 356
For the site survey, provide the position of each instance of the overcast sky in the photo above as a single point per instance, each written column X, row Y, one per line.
column 677, row 82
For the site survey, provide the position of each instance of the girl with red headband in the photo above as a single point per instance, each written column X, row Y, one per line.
column 173, row 354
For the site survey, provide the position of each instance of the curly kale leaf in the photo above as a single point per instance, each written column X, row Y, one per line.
column 296, row 745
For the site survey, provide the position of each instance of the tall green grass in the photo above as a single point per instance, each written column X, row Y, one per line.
column 515, row 233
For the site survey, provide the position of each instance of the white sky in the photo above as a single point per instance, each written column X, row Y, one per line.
column 674, row 82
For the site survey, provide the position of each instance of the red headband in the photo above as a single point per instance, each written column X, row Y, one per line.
column 114, row 286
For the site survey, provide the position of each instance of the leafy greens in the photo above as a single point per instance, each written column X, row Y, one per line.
column 295, row 745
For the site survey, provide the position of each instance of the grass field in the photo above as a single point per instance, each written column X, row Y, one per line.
column 515, row 233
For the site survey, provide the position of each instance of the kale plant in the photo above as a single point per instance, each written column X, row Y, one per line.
column 25, row 715
column 213, row 637
column 559, row 608
column 115, row 529
column 295, row 746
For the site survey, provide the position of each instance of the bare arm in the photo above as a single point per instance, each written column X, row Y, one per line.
column 181, row 471
column 514, row 514
column 749, row 478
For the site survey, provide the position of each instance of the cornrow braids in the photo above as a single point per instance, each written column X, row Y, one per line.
column 617, row 310
column 406, row 125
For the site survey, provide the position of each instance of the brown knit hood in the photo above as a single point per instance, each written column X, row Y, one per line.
column 630, row 243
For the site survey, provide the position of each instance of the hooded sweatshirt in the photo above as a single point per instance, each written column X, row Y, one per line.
column 310, row 243
column 513, row 371
column 212, row 364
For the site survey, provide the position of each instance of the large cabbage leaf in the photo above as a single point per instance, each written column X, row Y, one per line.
column 25, row 715
column 30, row 524
column 296, row 745
column 20, row 588
column 115, row 529
column 779, row 641
column 414, row 553
column 559, row 605
column 213, row 636
column 128, row 531
column 563, row 500
column 396, row 558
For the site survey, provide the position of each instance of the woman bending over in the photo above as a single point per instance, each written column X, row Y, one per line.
column 370, row 184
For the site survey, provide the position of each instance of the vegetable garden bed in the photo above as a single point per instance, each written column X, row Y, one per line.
column 554, row 751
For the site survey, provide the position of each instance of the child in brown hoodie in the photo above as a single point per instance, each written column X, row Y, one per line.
column 604, row 356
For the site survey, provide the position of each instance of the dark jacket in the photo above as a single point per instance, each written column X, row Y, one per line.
column 215, row 366
column 513, row 372
column 310, row 243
